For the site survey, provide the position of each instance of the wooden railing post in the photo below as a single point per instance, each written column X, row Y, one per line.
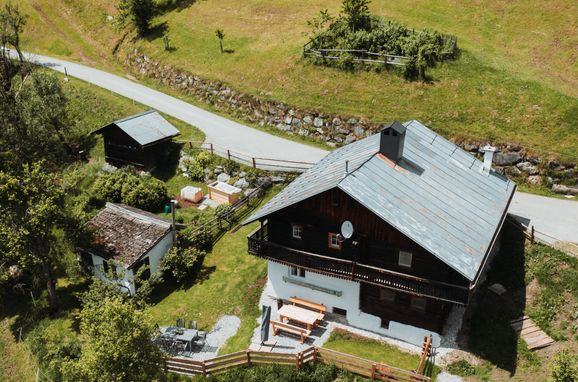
column 229, row 154
column 204, row 369
column 315, row 351
column 373, row 372
column 248, row 357
column 532, row 237
column 254, row 163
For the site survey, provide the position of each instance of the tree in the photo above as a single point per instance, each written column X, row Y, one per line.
column 31, row 206
column 565, row 367
column 12, row 23
column 137, row 12
column 115, row 340
column 356, row 13
column 220, row 35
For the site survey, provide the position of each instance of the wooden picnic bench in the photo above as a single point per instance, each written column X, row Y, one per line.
column 301, row 332
column 311, row 305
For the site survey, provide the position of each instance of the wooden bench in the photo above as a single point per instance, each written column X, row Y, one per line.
column 311, row 305
column 301, row 332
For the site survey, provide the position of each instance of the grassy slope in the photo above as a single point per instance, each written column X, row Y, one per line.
column 509, row 84
column 17, row 362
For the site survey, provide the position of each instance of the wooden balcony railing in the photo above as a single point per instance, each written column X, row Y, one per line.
column 350, row 270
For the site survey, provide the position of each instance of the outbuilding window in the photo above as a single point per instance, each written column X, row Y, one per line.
column 418, row 303
column 297, row 231
column 405, row 259
column 386, row 295
column 296, row 272
column 333, row 241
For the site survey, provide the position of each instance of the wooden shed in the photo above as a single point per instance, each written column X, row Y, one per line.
column 141, row 140
column 224, row 193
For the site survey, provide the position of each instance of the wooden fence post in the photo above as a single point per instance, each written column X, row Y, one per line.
column 204, row 369
column 532, row 235
column 211, row 148
column 254, row 164
column 315, row 354
column 373, row 372
column 229, row 154
column 248, row 357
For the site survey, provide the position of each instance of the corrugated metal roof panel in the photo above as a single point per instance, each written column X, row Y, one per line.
column 436, row 195
column 147, row 127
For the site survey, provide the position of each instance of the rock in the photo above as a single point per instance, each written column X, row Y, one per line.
column 562, row 189
column 349, row 139
column 318, row 122
column 272, row 111
column 307, row 120
column 513, row 171
column 470, row 147
column 288, row 119
column 535, row 160
column 242, row 174
column 296, row 122
column 554, row 165
column 352, row 121
column 319, row 130
column 241, row 183
column 283, row 127
column 223, row 177
column 303, row 132
column 219, row 170
column 331, row 144
column 507, row 158
column 359, row 131
column 277, row 179
column 535, row 180
column 292, row 112
column 336, row 121
column 549, row 180
column 341, row 130
column 108, row 168
column 527, row 167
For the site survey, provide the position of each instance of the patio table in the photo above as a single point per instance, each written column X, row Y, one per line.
column 295, row 313
column 188, row 335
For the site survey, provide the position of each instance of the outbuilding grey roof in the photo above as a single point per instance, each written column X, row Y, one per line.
column 436, row 194
column 145, row 128
column 125, row 233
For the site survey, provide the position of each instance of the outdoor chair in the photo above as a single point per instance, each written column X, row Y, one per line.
column 180, row 323
column 192, row 324
column 201, row 336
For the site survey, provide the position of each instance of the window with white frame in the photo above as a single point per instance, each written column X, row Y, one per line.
column 418, row 303
column 297, row 231
column 386, row 295
column 333, row 241
column 296, row 272
column 405, row 259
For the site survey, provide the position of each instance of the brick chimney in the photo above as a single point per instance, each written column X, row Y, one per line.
column 391, row 141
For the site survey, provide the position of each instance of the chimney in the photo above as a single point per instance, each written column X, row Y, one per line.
column 391, row 141
column 488, row 158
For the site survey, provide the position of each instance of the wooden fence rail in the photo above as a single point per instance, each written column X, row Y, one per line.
column 367, row 368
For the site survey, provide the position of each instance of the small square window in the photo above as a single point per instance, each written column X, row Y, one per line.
column 333, row 241
column 386, row 295
column 297, row 231
column 339, row 311
column 418, row 303
column 297, row 272
column 405, row 259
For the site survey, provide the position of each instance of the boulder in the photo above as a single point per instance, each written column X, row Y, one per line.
column 507, row 158
column 318, row 122
column 336, row 121
column 288, row 119
column 223, row 177
column 359, row 131
column 352, row 121
column 562, row 189
column 283, row 127
column 241, row 183
column 350, row 138
column 307, row 120
column 535, row 180
column 527, row 167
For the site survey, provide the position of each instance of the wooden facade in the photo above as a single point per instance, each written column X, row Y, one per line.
column 301, row 235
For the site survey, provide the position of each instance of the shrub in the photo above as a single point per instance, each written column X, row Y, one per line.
column 181, row 262
column 462, row 368
column 198, row 238
column 565, row 367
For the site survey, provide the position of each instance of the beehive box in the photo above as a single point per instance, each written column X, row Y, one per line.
column 224, row 193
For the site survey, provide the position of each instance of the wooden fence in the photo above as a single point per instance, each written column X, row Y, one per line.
column 271, row 164
column 367, row 368
column 359, row 55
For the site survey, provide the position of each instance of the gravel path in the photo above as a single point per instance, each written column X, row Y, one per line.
column 225, row 328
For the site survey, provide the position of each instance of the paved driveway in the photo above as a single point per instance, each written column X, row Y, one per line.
column 554, row 219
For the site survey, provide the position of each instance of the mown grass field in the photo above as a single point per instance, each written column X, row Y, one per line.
column 516, row 81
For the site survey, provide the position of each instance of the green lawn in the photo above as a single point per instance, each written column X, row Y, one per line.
column 516, row 80
column 17, row 362
column 379, row 351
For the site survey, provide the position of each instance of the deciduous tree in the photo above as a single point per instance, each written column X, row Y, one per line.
column 138, row 13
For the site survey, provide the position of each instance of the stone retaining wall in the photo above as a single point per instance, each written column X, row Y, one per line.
column 335, row 130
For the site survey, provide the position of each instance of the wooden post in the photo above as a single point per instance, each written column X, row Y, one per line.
column 254, row 163
column 211, row 148
column 315, row 354
column 298, row 359
column 204, row 369
column 248, row 357
column 373, row 372
column 532, row 235
column 229, row 154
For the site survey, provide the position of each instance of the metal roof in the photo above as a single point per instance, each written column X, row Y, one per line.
column 145, row 128
column 436, row 194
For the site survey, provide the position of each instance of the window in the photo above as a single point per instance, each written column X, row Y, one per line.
column 297, row 231
column 386, row 295
column 297, row 272
column 333, row 241
column 405, row 259
column 335, row 198
column 339, row 311
column 418, row 303
column 105, row 267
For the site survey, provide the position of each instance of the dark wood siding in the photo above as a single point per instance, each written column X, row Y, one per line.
column 400, row 310
column 378, row 242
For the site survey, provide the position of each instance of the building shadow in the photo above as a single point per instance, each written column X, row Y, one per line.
column 486, row 331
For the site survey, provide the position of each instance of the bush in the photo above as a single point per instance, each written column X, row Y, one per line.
column 126, row 186
column 565, row 367
column 462, row 368
column 181, row 262
column 201, row 239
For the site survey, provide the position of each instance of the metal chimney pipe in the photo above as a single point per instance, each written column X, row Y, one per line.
column 488, row 158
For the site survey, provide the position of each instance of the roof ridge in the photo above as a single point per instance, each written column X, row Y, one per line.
column 146, row 218
column 135, row 116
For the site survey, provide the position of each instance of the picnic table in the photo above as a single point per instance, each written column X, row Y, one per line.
column 301, row 315
column 186, row 336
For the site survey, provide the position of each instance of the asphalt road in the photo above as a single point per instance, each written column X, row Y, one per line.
column 242, row 141
column 555, row 220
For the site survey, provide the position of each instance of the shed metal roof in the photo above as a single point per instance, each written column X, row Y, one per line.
column 145, row 128
column 436, row 194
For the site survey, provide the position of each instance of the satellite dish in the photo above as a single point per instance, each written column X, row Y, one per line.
column 347, row 229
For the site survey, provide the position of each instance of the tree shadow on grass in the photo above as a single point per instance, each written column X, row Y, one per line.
column 157, row 31
column 174, row 5
column 487, row 331
column 170, row 284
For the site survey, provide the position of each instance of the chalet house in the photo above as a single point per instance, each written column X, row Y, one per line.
column 141, row 140
column 124, row 240
column 390, row 232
